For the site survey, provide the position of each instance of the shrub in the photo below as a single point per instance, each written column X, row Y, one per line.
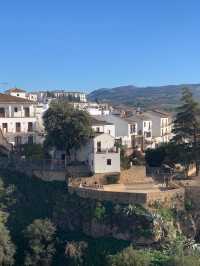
column 188, row 205
column 130, row 257
column 183, row 261
column 99, row 212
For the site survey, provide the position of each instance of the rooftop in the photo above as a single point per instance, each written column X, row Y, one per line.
column 96, row 121
column 15, row 90
column 139, row 117
column 4, row 98
column 159, row 113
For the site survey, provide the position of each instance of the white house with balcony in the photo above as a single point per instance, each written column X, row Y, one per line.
column 102, row 126
column 99, row 154
column 125, row 129
column 18, row 120
column 161, row 126
column 144, row 130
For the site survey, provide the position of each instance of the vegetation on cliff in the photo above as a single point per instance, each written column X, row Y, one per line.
column 48, row 226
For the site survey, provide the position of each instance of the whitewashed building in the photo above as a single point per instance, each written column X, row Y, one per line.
column 161, row 126
column 74, row 96
column 102, row 126
column 22, row 94
column 125, row 129
column 16, row 92
column 18, row 120
column 99, row 154
column 144, row 130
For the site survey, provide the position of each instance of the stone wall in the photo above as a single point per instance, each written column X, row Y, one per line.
column 136, row 174
column 116, row 197
column 169, row 198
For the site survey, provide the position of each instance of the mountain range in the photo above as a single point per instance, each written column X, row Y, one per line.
column 165, row 97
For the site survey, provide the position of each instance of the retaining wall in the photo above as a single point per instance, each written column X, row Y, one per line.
column 170, row 198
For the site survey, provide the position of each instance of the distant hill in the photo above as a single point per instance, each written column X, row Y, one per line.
column 165, row 97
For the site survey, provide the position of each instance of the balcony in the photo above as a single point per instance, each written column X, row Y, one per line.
column 104, row 151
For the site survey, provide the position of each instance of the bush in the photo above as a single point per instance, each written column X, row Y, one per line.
column 155, row 157
column 130, row 257
column 33, row 151
column 99, row 212
column 183, row 261
column 112, row 179
column 188, row 205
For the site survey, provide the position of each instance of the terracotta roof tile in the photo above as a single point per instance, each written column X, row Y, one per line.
column 4, row 98
column 15, row 90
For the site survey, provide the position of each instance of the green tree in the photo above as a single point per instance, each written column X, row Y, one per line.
column 130, row 257
column 33, row 151
column 40, row 238
column 155, row 157
column 187, row 127
column 67, row 128
column 183, row 261
column 7, row 248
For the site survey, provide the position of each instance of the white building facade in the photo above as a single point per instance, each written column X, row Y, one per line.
column 125, row 129
column 100, row 126
column 18, row 120
column 99, row 154
column 161, row 126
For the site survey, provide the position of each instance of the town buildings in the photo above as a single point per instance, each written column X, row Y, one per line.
column 21, row 121
column 18, row 120
column 73, row 96
column 125, row 129
column 22, row 94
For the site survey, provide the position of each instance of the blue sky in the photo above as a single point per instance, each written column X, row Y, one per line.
column 89, row 44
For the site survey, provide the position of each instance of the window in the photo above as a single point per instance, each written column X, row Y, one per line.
column 30, row 139
column 63, row 157
column 109, row 161
column 99, row 146
column 26, row 112
column 132, row 128
column 18, row 127
column 15, row 109
column 18, row 140
column 30, row 126
column 148, row 134
column 5, row 127
column 2, row 112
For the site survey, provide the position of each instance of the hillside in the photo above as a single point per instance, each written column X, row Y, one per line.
column 166, row 97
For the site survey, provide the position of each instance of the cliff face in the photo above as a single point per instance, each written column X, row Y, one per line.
column 125, row 222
